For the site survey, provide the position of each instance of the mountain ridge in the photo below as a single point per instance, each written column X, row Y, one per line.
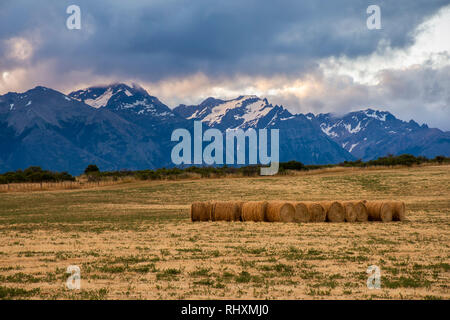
column 120, row 126
column 369, row 134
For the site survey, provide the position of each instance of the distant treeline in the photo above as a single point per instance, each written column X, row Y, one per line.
column 390, row 160
column 92, row 172
column 403, row 160
column 34, row 174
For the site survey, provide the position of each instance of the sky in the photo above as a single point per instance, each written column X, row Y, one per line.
column 309, row 56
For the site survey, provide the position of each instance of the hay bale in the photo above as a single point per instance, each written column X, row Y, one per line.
column 201, row 211
column 350, row 211
column 254, row 211
column 399, row 210
column 334, row 210
column 280, row 211
column 316, row 212
column 302, row 213
column 361, row 211
column 240, row 204
column 226, row 211
column 379, row 211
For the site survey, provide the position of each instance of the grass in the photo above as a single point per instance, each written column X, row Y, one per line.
column 168, row 274
column 17, row 293
column 135, row 240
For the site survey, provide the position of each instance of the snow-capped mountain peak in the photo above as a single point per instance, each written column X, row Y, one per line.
column 121, row 97
column 353, row 123
column 367, row 132
column 379, row 115
column 242, row 112
column 99, row 96
column 252, row 108
column 99, row 101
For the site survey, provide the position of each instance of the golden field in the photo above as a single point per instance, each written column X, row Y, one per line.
column 135, row 240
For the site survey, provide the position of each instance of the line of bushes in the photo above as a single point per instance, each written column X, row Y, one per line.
column 253, row 170
column 34, row 174
column 92, row 172
column 390, row 160
column 175, row 173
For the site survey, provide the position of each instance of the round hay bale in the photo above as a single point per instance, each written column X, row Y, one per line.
column 316, row 212
column 379, row 211
column 399, row 210
column 334, row 210
column 201, row 211
column 302, row 213
column 239, row 204
column 361, row 211
column 350, row 211
column 226, row 211
column 280, row 211
column 254, row 211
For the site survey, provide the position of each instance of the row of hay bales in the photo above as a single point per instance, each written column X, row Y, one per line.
column 299, row 211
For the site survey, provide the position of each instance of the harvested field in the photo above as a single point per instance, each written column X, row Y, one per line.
column 136, row 240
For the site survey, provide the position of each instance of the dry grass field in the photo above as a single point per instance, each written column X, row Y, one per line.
column 135, row 240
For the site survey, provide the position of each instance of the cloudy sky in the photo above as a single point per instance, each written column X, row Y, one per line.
column 310, row 56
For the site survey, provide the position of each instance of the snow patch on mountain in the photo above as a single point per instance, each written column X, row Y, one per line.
column 219, row 111
column 197, row 114
column 353, row 147
column 100, row 101
column 255, row 111
column 354, row 130
column 137, row 103
column 327, row 130
column 375, row 114
column 252, row 112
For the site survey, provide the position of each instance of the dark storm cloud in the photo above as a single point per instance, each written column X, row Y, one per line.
column 418, row 92
column 152, row 40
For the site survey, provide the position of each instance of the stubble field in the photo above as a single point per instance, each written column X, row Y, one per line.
column 136, row 241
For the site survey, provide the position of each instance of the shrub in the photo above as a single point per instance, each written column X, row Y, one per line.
column 92, row 168
column 292, row 165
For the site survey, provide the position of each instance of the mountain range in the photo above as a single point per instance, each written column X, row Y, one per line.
column 123, row 127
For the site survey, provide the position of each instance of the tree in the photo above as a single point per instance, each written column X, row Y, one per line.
column 439, row 159
column 292, row 165
column 90, row 169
